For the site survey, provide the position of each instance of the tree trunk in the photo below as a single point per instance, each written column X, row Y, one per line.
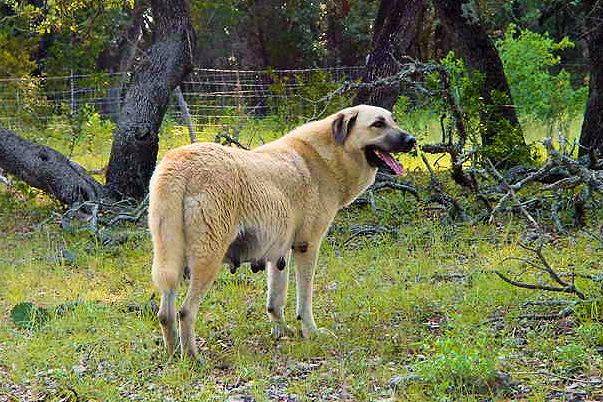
column 46, row 169
column 119, row 58
column 135, row 143
column 591, row 137
column 395, row 30
column 161, row 68
column 460, row 23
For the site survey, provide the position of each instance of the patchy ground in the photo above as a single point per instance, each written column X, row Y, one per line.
column 416, row 313
column 415, row 308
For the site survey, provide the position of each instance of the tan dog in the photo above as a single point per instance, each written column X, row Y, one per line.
column 211, row 204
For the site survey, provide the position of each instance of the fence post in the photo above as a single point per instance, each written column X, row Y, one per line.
column 72, row 90
column 186, row 116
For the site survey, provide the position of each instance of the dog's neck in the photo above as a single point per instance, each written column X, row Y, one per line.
column 349, row 172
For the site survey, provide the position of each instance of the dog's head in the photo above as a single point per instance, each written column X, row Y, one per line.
column 372, row 131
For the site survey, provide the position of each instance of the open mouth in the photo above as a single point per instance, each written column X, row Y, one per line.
column 378, row 158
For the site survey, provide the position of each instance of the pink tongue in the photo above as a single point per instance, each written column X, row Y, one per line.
column 391, row 162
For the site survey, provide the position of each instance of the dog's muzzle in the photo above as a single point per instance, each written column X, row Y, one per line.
column 380, row 155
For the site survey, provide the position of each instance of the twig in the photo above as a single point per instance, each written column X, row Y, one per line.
column 396, row 186
column 511, row 194
column 226, row 139
column 566, row 312
column 533, row 286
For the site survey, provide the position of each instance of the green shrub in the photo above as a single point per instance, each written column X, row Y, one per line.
column 573, row 355
column 459, row 366
column 467, row 89
column 530, row 61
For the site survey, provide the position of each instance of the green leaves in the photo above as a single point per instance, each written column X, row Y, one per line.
column 29, row 316
column 529, row 59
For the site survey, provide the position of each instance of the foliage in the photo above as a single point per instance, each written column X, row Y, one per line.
column 28, row 316
column 293, row 34
column 298, row 97
column 459, row 366
column 466, row 88
column 15, row 51
column 539, row 88
column 57, row 36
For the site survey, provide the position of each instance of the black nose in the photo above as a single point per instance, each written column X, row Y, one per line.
column 409, row 142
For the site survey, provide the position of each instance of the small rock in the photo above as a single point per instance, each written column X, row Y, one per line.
column 400, row 380
column 79, row 369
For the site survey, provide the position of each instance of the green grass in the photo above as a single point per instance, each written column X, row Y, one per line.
column 413, row 316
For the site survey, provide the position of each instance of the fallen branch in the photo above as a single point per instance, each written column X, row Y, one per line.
column 226, row 139
column 511, row 194
column 441, row 197
column 560, row 285
column 533, row 286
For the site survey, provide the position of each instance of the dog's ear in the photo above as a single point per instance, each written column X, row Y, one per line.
column 342, row 125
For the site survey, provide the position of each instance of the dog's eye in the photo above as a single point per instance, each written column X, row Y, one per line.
column 378, row 124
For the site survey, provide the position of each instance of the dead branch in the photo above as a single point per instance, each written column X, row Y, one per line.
column 368, row 230
column 386, row 181
column 533, row 286
column 226, row 139
column 511, row 194
column 443, row 198
column 540, row 263
column 566, row 312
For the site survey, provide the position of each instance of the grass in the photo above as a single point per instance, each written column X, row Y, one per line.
column 413, row 315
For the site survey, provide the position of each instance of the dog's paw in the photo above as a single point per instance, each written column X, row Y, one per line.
column 319, row 332
column 282, row 330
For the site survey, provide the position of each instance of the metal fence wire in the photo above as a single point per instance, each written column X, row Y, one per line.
column 215, row 97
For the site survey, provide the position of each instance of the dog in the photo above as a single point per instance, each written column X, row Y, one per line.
column 210, row 204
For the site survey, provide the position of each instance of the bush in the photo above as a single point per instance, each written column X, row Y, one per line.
column 466, row 86
column 530, row 60
column 459, row 366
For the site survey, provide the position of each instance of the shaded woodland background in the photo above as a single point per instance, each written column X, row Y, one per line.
column 550, row 50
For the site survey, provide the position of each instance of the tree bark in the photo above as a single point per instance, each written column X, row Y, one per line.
column 460, row 22
column 161, row 68
column 591, row 137
column 119, row 57
column 47, row 169
column 396, row 28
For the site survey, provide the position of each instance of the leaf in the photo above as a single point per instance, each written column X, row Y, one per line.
column 28, row 316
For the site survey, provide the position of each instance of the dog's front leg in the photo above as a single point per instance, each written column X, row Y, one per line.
column 305, row 255
column 277, row 296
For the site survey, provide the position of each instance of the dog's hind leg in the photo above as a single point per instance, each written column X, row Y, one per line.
column 277, row 295
column 203, row 273
column 168, row 263
column 167, row 319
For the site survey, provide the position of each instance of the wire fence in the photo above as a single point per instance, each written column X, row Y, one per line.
column 215, row 97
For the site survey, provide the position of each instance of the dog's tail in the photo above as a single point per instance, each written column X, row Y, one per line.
column 166, row 223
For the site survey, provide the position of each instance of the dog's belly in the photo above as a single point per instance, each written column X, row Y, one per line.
column 257, row 247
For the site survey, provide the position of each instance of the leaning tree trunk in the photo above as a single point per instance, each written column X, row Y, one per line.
column 161, row 68
column 460, row 23
column 47, row 169
column 396, row 28
column 591, row 137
